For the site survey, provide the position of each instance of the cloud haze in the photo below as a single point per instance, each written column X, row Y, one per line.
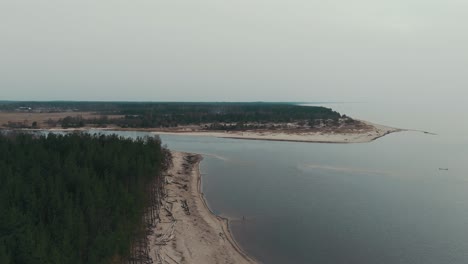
column 242, row 50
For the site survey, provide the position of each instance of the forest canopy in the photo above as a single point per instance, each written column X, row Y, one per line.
column 173, row 114
column 74, row 198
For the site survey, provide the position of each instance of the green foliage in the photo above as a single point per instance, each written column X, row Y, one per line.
column 218, row 114
column 162, row 115
column 74, row 198
column 71, row 121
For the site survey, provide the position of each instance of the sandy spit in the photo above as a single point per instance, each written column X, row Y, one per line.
column 189, row 232
column 376, row 131
column 373, row 132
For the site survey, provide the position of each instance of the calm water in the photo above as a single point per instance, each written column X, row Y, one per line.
column 380, row 202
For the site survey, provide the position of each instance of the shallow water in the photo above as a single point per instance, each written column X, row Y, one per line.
column 379, row 202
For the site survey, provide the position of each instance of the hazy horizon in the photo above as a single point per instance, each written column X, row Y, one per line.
column 255, row 50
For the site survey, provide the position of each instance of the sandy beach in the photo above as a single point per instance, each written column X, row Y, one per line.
column 363, row 132
column 370, row 134
column 189, row 232
column 373, row 132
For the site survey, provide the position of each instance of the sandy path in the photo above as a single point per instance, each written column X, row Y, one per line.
column 189, row 232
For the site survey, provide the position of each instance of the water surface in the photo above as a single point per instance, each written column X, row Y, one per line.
column 379, row 202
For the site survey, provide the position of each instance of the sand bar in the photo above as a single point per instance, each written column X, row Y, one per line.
column 370, row 133
column 374, row 132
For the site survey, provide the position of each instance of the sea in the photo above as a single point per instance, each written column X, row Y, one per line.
column 400, row 199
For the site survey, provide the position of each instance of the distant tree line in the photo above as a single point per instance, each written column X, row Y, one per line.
column 219, row 116
column 222, row 116
column 74, row 198
column 24, row 124
column 72, row 122
column 173, row 114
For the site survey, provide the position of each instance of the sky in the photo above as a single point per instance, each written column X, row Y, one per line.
column 242, row 50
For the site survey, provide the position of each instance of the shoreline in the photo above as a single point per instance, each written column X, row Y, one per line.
column 361, row 136
column 222, row 220
column 375, row 132
column 189, row 232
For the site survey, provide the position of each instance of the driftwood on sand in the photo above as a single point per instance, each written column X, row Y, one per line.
column 187, row 231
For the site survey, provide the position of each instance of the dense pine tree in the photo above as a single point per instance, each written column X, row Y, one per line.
column 74, row 198
column 173, row 114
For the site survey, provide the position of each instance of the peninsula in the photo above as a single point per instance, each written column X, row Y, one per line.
column 258, row 120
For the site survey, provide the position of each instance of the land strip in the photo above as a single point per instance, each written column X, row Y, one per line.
column 188, row 231
column 358, row 132
column 370, row 133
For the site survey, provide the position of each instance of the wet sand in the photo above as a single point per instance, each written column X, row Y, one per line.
column 189, row 232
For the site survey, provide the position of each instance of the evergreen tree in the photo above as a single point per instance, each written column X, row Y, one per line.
column 74, row 198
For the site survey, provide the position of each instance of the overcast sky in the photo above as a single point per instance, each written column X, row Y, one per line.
column 239, row 50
